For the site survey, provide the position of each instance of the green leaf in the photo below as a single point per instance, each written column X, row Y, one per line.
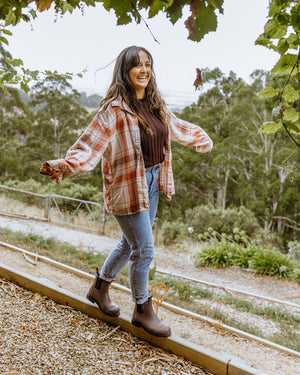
column 291, row 115
column 174, row 12
column 17, row 62
column 262, row 41
column 282, row 46
column 294, row 41
column 293, row 127
column 3, row 40
column 24, row 87
column 65, row 7
column 33, row 13
column 217, row 4
column 124, row 19
column 285, row 64
column 275, row 7
column 8, row 76
column 275, row 30
column 290, row 94
column 270, row 127
column 269, row 92
column 295, row 17
column 107, row 5
column 7, row 32
column 205, row 22
column 10, row 18
column 156, row 6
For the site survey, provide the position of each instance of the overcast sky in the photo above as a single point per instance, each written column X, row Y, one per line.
column 92, row 40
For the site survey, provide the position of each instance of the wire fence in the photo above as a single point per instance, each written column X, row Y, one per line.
column 59, row 209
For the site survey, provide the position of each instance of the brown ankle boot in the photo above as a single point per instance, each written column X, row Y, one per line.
column 98, row 293
column 144, row 316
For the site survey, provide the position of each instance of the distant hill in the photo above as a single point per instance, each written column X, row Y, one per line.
column 87, row 101
column 91, row 101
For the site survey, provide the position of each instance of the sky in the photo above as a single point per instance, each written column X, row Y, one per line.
column 92, row 40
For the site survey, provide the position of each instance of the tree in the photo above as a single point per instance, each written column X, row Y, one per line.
column 59, row 119
column 282, row 34
column 15, row 123
column 246, row 168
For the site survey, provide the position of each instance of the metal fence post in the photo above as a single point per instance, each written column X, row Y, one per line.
column 103, row 222
column 156, row 231
column 47, row 212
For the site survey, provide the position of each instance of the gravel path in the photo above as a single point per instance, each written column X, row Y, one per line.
column 268, row 360
column 42, row 337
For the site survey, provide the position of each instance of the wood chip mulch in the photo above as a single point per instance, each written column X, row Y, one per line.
column 39, row 336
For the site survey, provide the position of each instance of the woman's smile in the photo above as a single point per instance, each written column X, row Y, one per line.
column 140, row 75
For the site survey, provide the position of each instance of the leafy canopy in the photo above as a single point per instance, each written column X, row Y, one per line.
column 201, row 21
column 282, row 34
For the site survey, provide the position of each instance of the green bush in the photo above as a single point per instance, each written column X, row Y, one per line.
column 173, row 231
column 266, row 260
column 224, row 253
column 201, row 218
column 271, row 261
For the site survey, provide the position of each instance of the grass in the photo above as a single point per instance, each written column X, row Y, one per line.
column 180, row 293
column 85, row 260
column 184, row 294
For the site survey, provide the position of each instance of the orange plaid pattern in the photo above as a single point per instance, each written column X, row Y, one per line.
column 114, row 137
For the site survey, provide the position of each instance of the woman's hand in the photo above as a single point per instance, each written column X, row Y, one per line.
column 55, row 174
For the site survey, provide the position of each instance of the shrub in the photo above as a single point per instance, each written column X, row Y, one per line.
column 201, row 218
column 271, row 261
column 173, row 231
column 224, row 253
column 266, row 260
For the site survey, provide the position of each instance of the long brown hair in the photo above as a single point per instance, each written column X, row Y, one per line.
column 121, row 86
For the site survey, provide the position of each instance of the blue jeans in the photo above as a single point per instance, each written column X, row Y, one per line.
column 136, row 245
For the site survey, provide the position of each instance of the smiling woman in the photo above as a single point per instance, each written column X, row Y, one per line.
column 132, row 134
column 140, row 75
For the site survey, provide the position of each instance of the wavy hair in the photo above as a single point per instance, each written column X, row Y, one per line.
column 121, row 86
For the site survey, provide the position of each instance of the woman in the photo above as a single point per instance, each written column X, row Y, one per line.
column 132, row 134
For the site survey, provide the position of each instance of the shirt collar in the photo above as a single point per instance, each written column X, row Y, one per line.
column 123, row 106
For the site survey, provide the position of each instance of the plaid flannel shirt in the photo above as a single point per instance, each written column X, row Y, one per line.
column 114, row 137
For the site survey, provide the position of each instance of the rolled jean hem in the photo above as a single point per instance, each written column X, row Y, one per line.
column 140, row 301
column 107, row 279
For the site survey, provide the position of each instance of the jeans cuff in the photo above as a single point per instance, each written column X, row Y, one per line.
column 107, row 279
column 140, row 301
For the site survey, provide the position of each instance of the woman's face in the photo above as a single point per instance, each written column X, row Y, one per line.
column 140, row 75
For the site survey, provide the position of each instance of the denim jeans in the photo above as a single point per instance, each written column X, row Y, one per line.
column 136, row 246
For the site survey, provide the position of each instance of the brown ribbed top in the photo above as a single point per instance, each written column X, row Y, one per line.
column 152, row 144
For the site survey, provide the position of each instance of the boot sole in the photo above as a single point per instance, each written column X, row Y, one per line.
column 92, row 299
column 137, row 324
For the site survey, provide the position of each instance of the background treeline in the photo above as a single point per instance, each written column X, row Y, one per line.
column 250, row 180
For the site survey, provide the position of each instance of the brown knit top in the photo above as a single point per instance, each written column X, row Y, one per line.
column 152, row 144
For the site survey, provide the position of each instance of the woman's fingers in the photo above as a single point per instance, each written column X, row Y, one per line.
column 55, row 174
